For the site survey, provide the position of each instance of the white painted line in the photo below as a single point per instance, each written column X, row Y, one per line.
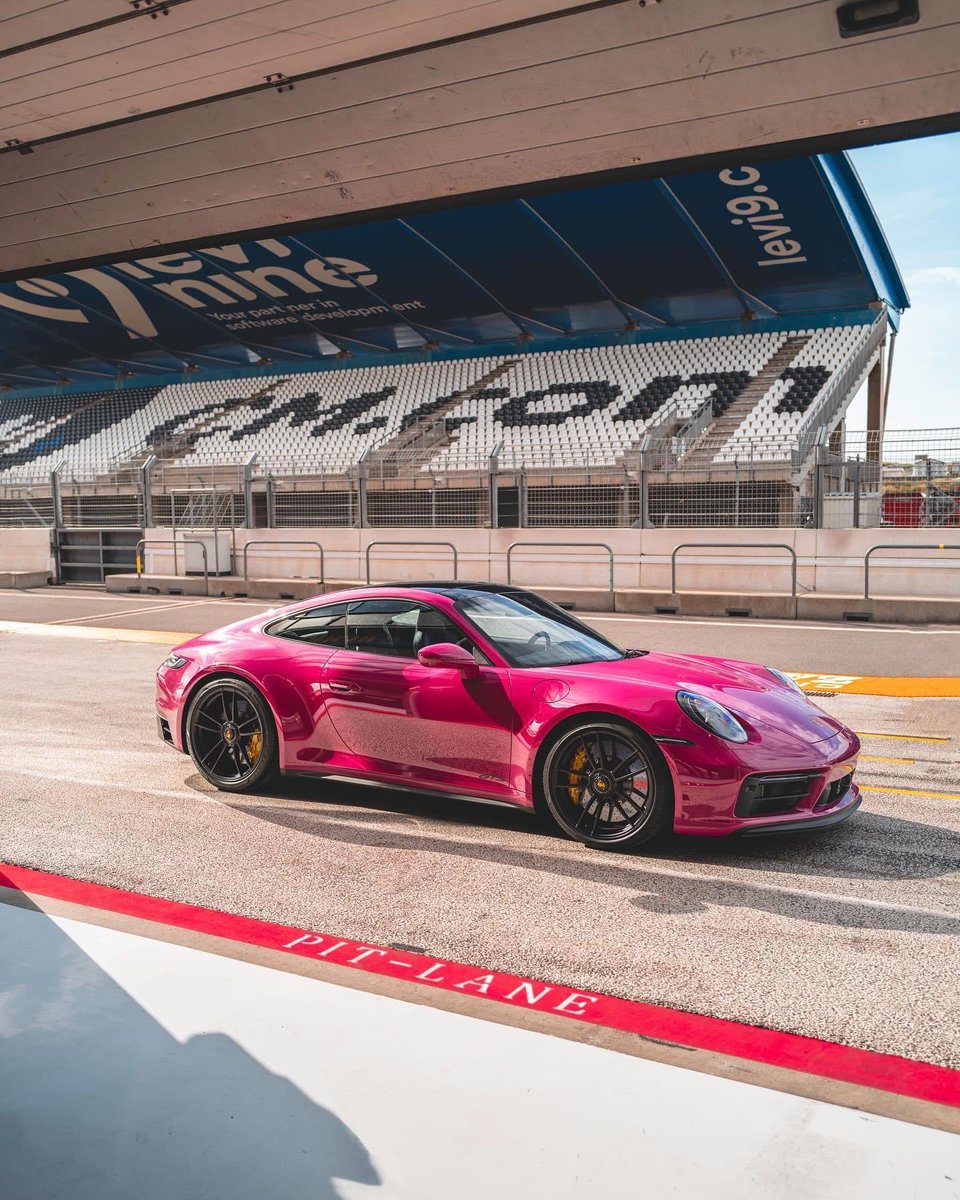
column 121, row 612
column 746, row 623
column 89, row 784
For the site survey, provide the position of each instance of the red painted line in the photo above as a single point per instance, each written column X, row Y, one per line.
column 828, row 1060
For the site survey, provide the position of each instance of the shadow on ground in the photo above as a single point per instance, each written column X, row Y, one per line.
column 870, row 847
column 100, row 1102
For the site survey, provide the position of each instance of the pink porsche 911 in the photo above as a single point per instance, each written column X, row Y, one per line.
column 495, row 693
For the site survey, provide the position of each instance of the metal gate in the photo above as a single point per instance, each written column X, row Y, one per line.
column 90, row 555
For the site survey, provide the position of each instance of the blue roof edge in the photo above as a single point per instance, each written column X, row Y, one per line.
column 816, row 319
column 864, row 229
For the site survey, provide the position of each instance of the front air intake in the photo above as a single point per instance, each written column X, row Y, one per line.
column 834, row 792
column 763, row 795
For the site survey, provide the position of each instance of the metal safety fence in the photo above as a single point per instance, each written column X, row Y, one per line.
column 847, row 480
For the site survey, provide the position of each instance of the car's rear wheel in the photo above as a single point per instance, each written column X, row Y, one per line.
column 232, row 737
column 607, row 786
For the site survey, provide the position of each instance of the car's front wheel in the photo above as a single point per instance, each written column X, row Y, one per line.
column 607, row 786
column 232, row 737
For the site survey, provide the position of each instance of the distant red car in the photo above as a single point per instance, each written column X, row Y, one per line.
column 496, row 693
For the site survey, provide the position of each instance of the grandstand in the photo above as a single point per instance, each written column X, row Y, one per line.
column 573, row 408
column 648, row 352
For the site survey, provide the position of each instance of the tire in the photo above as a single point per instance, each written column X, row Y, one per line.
column 224, row 719
column 589, row 785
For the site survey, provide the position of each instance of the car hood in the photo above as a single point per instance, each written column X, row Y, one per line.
column 759, row 699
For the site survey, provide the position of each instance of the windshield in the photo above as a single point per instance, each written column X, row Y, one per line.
column 531, row 632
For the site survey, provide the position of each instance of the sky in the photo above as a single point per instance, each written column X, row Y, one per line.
column 915, row 189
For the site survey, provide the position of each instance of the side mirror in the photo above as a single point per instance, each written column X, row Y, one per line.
column 446, row 654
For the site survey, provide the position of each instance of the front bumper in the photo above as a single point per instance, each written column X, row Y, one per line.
column 713, row 786
column 808, row 823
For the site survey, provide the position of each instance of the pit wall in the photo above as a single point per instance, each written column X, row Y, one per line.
column 24, row 551
column 830, row 560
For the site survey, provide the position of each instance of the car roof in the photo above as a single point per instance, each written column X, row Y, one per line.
column 455, row 585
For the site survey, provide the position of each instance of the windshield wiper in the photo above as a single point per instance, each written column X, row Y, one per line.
column 635, row 653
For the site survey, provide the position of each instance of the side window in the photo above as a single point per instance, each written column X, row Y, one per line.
column 399, row 628
column 318, row 626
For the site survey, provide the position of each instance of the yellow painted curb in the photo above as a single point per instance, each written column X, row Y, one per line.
column 879, row 685
column 904, row 685
column 850, row 685
column 97, row 633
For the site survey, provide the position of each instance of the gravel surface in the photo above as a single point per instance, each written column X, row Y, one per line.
column 850, row 935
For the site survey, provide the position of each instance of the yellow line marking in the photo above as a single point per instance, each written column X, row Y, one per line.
column 880, row 758
column 879, row 685
column 99, row 633
column 864, row 685
column 902, row 791
column 904, row 686
column 903, row 737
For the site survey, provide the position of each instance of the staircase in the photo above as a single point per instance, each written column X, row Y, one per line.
column 420, row 442
column 722, row 428
column 182, row 442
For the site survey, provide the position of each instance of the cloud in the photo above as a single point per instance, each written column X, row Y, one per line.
column 932, row 276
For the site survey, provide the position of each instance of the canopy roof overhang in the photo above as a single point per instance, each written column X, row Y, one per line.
column 742, row 242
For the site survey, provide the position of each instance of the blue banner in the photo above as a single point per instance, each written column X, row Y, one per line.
column 771, row 238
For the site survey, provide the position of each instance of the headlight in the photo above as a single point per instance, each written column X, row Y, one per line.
column 174, row 662
column 784, row 679
column 712, row 716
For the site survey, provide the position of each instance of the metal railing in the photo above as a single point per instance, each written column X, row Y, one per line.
column 898, row 546
column 449, row 545
column 144, row 542
column 733, row 546
column 275, row 542
column 841, row 386
column 560, row 546
column 902, row 478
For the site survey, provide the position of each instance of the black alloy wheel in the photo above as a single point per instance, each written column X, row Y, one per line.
column 232, row 737
column 607, row 786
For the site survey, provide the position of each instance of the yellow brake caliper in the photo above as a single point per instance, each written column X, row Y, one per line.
column 576, row 775
column 254, row 746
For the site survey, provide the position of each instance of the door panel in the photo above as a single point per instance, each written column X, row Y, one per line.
column 422, row 723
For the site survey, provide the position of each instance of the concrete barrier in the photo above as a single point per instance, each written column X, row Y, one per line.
column 23, row 579
column 894, row 610
column 767, row 605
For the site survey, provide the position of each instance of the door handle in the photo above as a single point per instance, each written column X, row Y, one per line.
column 336, row 686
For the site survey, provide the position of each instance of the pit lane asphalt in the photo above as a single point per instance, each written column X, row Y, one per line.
column 850, row 934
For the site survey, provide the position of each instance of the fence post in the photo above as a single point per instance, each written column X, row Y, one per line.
column 856, row 493
column 643, row 483
column 248, row 521
column 522, row 514
column 271, row 503
column 362, row 490
column 56, row 497
column 736, row 492
column 493, row 465
column 818, row 471
column 146, row 488
column 927, row 504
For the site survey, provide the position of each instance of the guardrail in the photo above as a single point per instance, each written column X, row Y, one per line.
column 836, row 390
column 168, row 545
column 561, row 546
column 897, row 546
column 280, row 542
column 449, row 545
column 733, row 546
